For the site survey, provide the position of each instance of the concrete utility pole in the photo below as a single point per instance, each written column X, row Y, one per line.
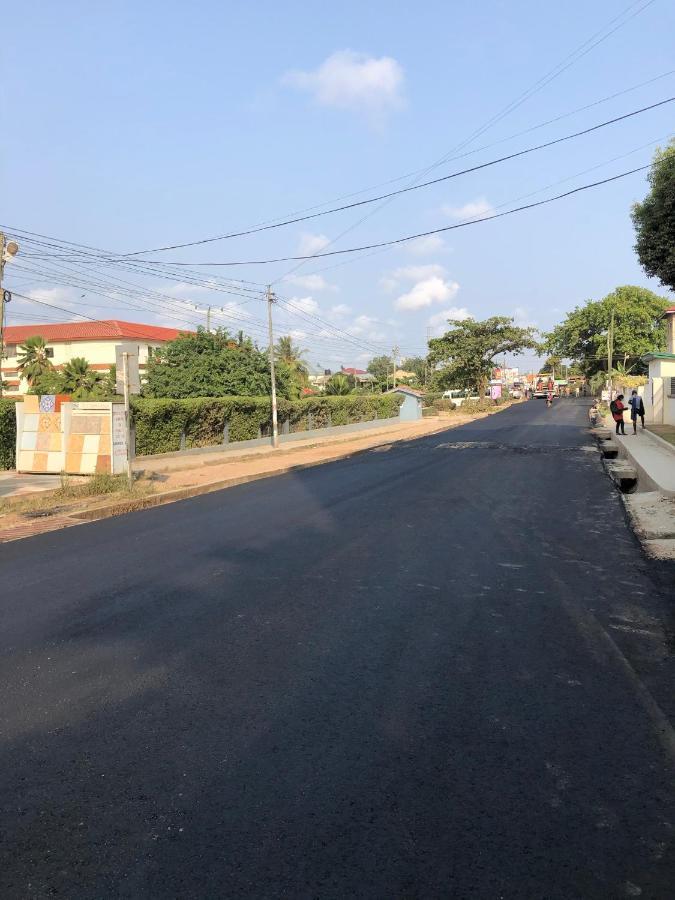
column 127, row 417
column 208, row 318
column 8, row 250
column 610, row 355
column 275, row 427
column 394, row 351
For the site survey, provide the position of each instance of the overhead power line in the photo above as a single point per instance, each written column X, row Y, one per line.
column 405, row 190
column 420, row 234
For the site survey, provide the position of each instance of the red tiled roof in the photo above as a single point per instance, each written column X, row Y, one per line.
column 108, row 329
column 354, row 371
column 669, row 311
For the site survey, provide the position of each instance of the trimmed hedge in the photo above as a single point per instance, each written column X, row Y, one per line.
column 161, row 424
column 7, row 434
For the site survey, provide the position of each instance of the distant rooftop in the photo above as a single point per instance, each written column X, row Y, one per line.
column 106, row 329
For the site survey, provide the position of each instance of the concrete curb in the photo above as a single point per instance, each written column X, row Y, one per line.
column 661, row 441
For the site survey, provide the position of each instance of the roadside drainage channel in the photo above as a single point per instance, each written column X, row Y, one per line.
column 651, row 514
column 623, row 474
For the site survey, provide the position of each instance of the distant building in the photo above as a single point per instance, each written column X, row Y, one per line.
column 411, row 408
column 359, row 375
column 659, row 393
column 95, row 341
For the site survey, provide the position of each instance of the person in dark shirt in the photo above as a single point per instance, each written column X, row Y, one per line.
column 637, row 408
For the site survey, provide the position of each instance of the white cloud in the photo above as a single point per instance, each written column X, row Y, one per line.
column 51, row 295
column 423, row 246
column 298, row 334
column 305, row 304
column 311, row 282
column 425, row 292
column 312, row 243
column 354, row 81
column 366, row 326
column 416, row 273
column 521, row 317
column 439, row 321
column 340, row 309
column 475, row 209
column 185, row 289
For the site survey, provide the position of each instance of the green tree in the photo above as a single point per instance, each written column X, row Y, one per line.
column 638, row 328
column 416, row 364
column 339, row 385
column 551, row 364
column 32, row 360
column 78, row 379
column 293, row 357
column 654, row 219
column 213, row 364
column 381, row 367
column 464, row 356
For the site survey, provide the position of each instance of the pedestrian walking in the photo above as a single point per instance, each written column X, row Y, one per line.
column 637, row 409
column 616, row 408
column 593, row 414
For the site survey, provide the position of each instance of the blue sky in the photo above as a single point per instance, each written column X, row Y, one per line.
column 128, row 125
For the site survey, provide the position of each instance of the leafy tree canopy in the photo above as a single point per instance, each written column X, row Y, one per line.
column 339, row 385
column 381, row 367
column 551, row 364
column 293, row 357
column 416, row 364
column 78, row 379
column 638, row 328
column 212, row 364
column 464, row 356
column 32, row 360
column 654, row 219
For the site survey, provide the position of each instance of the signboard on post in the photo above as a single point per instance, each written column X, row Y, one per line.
column 132, row 368
column 495, row 391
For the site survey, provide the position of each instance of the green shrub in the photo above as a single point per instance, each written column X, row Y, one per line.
column 7, row 433
column 161, row 424
column 443, row 405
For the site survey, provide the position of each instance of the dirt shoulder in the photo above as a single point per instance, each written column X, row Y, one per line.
column 168, row 479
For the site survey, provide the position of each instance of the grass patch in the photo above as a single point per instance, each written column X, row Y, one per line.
column 72, row 491
column 665, row 432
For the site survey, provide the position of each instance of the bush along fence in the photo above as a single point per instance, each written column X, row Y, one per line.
column 7, row 434
column 164, row 426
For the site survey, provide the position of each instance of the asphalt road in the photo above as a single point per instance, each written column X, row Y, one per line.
column 442, row 669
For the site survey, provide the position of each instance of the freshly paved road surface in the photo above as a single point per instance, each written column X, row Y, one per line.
column 428, row 671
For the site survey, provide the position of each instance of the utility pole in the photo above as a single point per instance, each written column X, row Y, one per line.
column 8, row 250
column 275, row 426
column 127, row 417
column 610, row 355
column 394, row 351
column 208, row 318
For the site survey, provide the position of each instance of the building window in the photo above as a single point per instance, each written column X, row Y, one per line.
column 49, row 352
column 10, row 350
column 671, row 393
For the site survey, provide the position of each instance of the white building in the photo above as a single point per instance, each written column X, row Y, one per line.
column 659, row 395
column 95, row 341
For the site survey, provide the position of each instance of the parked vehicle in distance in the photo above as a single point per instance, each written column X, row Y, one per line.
column 516, row 393
column 458, row 396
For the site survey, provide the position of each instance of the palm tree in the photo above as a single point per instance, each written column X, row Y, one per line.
column 293, row 356
column 78, row 378
column 33, row 361
column 339, row 385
